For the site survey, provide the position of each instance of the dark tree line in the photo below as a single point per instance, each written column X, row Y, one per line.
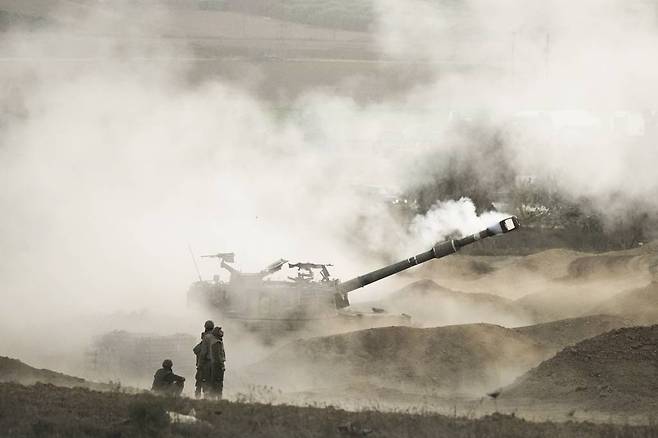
column 478, row 167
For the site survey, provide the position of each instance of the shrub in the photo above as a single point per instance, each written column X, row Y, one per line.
column 149, row 416
column 43, row 428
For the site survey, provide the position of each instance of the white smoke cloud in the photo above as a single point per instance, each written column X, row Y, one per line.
column 453, row 217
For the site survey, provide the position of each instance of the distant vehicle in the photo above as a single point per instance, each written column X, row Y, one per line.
column 313, row 295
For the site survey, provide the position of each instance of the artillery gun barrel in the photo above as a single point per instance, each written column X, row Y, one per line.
column 439, row 250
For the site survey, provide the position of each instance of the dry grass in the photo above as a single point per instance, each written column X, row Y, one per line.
column 46, row 410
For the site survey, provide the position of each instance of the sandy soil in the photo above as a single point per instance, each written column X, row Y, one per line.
column 614, row 372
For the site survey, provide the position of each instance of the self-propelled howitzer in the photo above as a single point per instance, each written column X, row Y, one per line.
column 259, row 301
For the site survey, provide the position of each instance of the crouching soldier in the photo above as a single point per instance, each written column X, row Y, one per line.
column 166, row 382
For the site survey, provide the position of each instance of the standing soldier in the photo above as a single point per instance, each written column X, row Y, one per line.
column 217, row 359
column 203, row 367
column 166, row 382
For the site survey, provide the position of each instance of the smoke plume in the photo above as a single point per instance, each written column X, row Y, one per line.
column 114, row 161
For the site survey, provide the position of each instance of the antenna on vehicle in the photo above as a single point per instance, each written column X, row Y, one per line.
column 194, row 261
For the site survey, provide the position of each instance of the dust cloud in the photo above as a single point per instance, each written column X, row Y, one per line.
column 113, row 164
column 568, row 86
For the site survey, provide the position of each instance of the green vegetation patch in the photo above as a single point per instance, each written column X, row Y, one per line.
column 340, row 14
column 10, row 20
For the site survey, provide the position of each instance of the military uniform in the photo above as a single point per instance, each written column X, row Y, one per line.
column 203, row 374
column 217, row 360
column 166, row 382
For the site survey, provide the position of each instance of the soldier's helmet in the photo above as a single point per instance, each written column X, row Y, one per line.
column 167, row 363
column 209, row 325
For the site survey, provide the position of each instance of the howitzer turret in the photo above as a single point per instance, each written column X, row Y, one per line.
column 255, row 298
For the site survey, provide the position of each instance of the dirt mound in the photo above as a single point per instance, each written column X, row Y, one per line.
column 633, row 297
column 640, row 305
column 640, row 261
column 579, row 296
column 552, row 263
column 557, row 335
column 455, row 359
column 470, row 266
column 13, row 370
column 590, row 279
column 547, row 273
column 480, row 274
column 432, row 305
column 617, row 370
column 560, row 301
column 516, row 276
column 598, row 265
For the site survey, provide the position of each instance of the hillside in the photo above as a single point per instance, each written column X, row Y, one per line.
column 640, row 305
column 554, row 284
column 589, row 281
column 15, row 371
column 469, row 359
column 396, row 362
column 557, row 335
column 45, row 410
column 430, row 304
column 615, row 371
